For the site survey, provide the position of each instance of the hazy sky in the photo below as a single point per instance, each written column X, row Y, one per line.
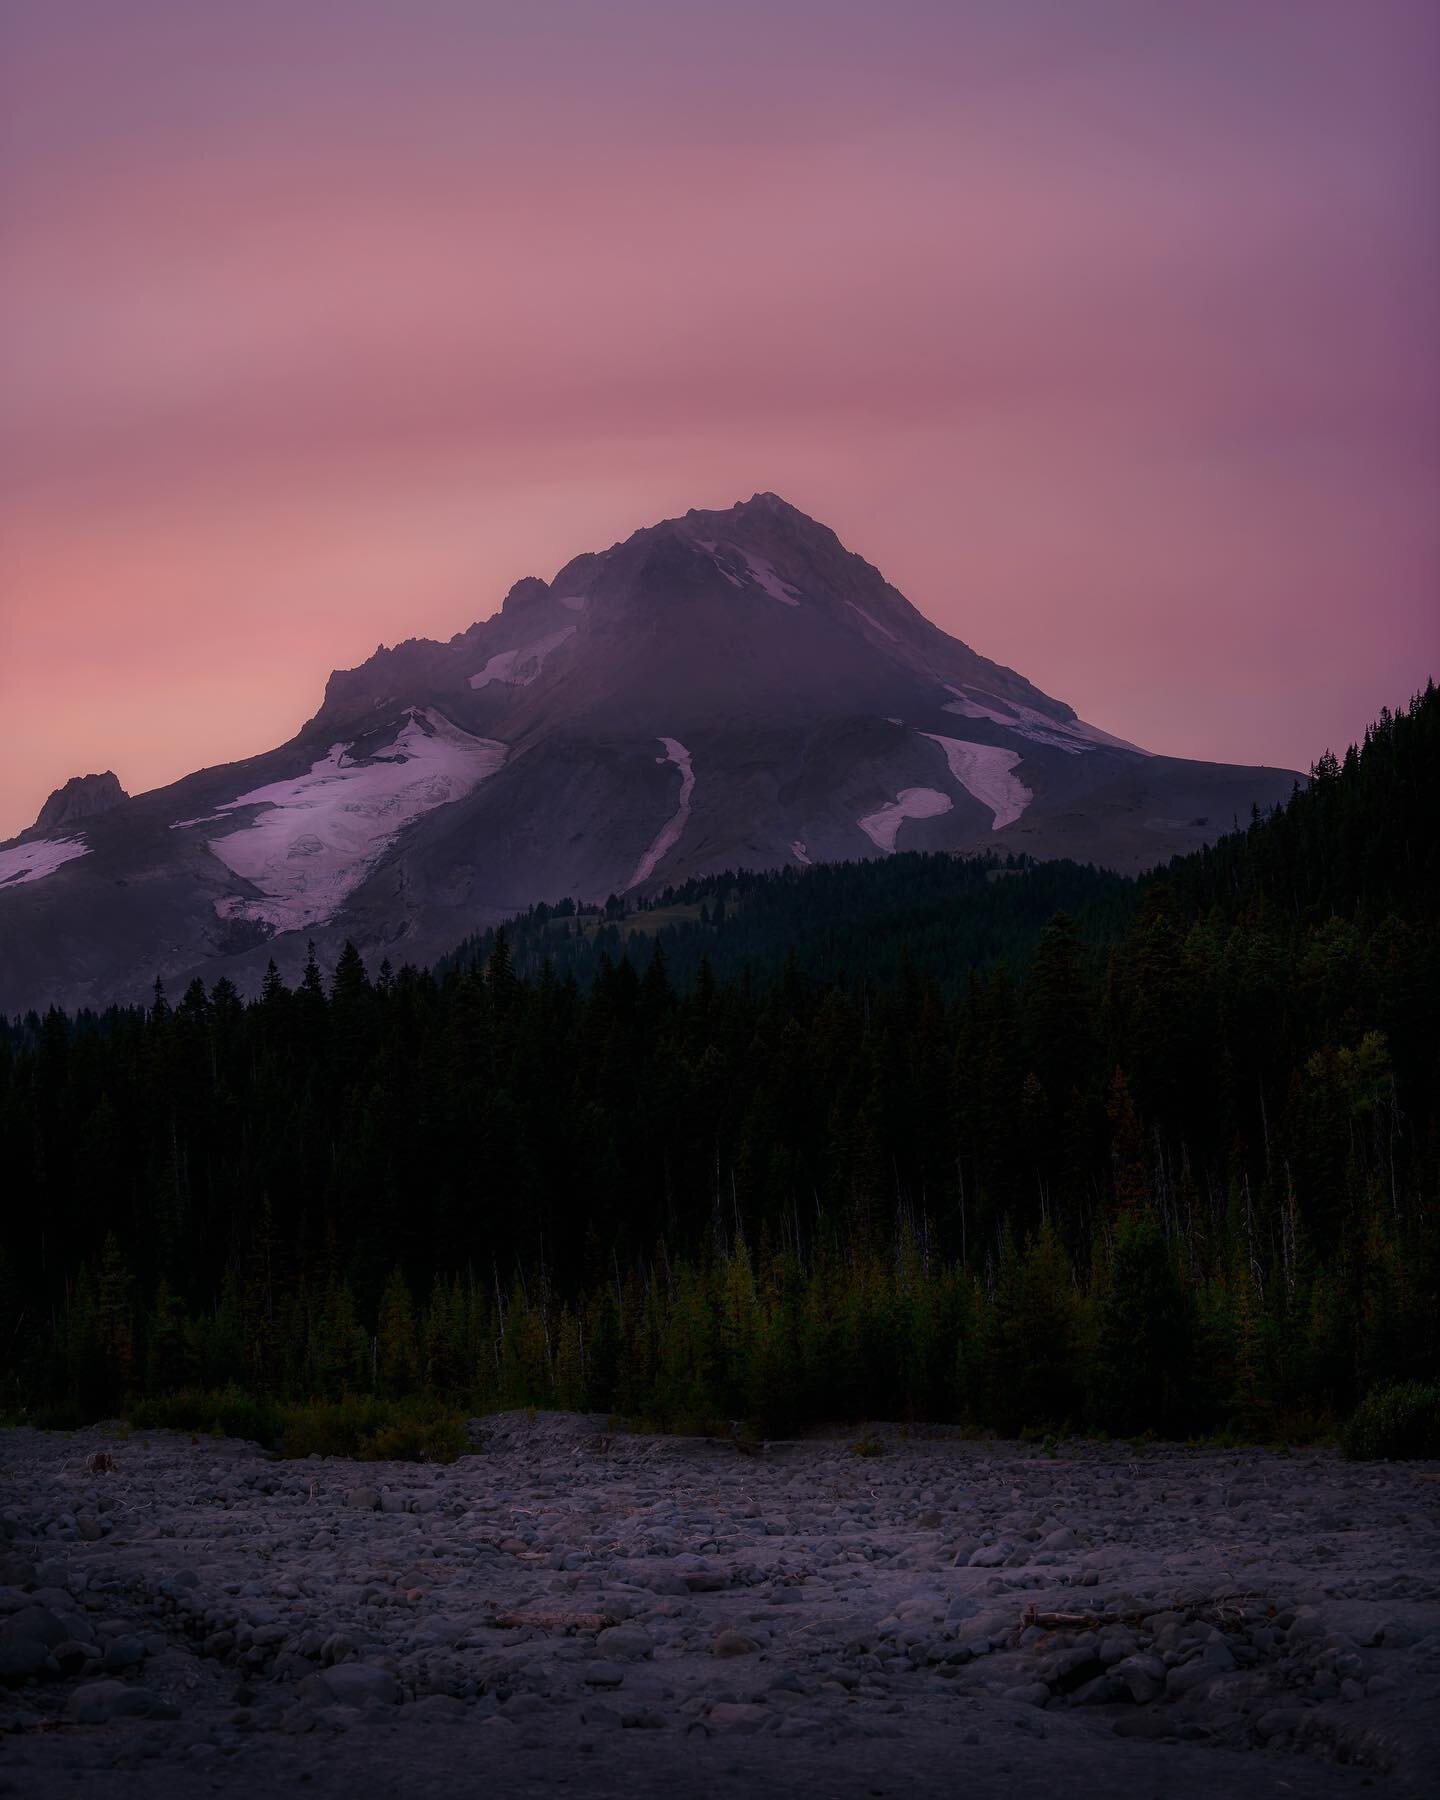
column 1105, row 327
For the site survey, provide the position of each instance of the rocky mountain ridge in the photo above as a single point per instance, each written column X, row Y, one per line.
column 727, row 689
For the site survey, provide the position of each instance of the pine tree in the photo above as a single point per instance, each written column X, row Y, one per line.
column 397, row 1351
column 1144, row 1348
column 1032, row 1365
column 337, row 1358
column 101, row 1331
column 169, row 1347
column 1130, row 1184
column 443, row 1368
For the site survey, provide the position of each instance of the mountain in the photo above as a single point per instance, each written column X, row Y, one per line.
column 727, row 689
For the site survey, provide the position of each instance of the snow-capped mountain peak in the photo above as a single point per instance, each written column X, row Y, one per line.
column 730, row 688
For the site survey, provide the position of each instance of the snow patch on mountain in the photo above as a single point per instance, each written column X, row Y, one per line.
column 321, row 833
column 872, row 622
column 985, row 770
column 711, row 548
column 519, row 667
column 206, row 819
column 972, row 709
column 1073, row 736
column 1097, row 736
column 910, row 803
column 499, row 668
column 774, row 585
column 37, row 859
column 1023, row 720
column 669, row 833
column 799, row 852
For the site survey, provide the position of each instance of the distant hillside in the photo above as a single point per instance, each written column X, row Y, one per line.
column 1361, row 839
column 848, row 923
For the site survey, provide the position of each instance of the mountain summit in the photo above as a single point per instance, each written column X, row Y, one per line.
column 726, row 689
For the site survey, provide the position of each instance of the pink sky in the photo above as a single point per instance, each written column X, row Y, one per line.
column 1105, row 329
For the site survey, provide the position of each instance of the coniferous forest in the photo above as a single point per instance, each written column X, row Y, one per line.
column 1024, row 1148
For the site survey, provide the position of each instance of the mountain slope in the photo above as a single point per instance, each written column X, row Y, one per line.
column 727, row 689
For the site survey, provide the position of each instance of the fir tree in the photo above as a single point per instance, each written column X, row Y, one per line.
column 397, row 1351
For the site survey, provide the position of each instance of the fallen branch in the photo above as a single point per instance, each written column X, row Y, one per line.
column 1229, row 1607
column 556, row 1621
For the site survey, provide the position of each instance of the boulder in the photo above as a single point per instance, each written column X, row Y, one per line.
column 96, row 1701
column 354, row 1684
column 627, row 1642
column 25, row 1659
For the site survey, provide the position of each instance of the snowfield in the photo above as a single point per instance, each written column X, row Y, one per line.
column 910, row 803
column 320, row 834
column 575, row 1610
column 1108, row 739
column 872, row 622
column 519, row 667
column 985, row 770
column 37, row 859
column 727, row 558
column 668, row 835
column 1073, row 736
column 764, row 574
column 1023, row 720
column 712, row 550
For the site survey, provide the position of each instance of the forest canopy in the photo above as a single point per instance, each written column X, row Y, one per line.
column 1024, row 1147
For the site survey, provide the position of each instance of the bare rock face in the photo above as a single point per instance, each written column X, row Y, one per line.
column 82, row 797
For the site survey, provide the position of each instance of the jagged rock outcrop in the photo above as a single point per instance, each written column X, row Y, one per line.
column 82, row 797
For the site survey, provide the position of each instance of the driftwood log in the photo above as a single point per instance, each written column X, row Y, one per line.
column 552, row 1621
column 1063, row 1621
column 1227, row 1608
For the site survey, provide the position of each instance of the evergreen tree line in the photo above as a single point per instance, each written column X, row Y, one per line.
column 850, row 923
column 1174, row 1176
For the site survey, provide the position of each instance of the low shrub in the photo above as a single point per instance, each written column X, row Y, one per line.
column 228, row 1412
column 1399, row 1420
column 437, row 1437
column 414, row 1430
column 332, row 1427
column 60, row 1415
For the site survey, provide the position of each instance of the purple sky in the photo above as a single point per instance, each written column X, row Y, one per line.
column 1105, row 327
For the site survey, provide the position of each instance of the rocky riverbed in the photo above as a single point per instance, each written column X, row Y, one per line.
column 572, row 1607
